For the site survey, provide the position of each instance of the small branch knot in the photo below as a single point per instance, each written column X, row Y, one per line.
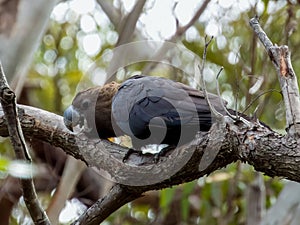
column 8, row 95
column 254, row 20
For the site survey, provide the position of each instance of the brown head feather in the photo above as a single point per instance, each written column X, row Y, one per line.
column 98, row 111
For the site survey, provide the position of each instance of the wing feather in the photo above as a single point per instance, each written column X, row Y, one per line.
column 141, row 99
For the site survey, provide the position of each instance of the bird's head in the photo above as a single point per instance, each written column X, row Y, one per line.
column 91, row 110
column 82, row 110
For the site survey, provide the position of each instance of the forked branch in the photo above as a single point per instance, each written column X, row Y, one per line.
column 281, row 59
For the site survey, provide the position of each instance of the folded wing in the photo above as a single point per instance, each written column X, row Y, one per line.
column 144, row 106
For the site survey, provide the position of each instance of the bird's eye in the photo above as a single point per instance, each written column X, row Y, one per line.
column 85, row 104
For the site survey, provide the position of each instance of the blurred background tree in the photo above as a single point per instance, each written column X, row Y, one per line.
column 73, row 44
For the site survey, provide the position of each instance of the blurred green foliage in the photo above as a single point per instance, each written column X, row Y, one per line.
column 4, row 163
column 61, row 62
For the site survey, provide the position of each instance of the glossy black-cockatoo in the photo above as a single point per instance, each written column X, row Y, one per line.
column 151, row 110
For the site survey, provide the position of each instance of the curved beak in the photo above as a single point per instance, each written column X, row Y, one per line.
column 71, row 117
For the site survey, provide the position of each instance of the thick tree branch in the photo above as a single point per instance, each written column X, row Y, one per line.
column 8, row 102
column 267, row 151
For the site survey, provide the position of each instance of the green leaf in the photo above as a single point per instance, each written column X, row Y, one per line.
column 165, row 200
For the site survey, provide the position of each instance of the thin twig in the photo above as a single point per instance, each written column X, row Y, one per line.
column 258, row 96
column 254, row 23
column 181, row 30
column 178, row 33
column 175, row 16
column 202, row 81
column 219, row 94
column 237, row 86
column 8, row 102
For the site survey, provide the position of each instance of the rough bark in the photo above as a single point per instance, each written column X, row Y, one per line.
column 268, row 151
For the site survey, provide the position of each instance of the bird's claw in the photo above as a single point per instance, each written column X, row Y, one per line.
column 129, row 152
column 162, row 152
column 156, row 156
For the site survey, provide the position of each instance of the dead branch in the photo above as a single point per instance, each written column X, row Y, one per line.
column 281, row 59
column 8, row 102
